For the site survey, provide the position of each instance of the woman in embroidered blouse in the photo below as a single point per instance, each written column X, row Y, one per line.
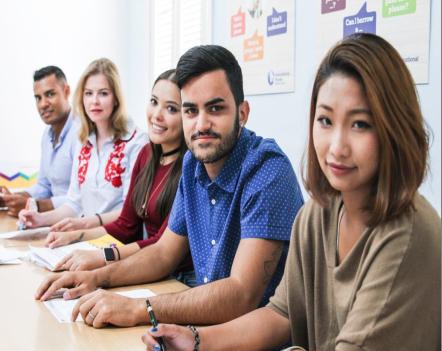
column 107, row 149
column 363, row 270
column 153, row 185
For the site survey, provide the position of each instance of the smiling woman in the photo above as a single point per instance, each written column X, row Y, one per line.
column 153, row 184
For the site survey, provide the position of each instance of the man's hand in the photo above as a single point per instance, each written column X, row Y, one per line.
column 176, row 338
column 14, row 202
column 82, row 260
column 3, row 190
column 78, row 284
column 101, row 308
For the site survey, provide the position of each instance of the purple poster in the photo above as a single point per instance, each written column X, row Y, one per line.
column 363, row 21
column 276, row 23
column 332, row 5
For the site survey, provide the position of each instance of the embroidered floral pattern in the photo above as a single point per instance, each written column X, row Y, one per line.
column 83, row 161
column 114, row 169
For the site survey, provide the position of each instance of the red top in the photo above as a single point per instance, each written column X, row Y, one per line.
column 129, row 226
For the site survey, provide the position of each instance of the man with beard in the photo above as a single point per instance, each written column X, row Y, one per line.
column 237, row 198
column 51, row 92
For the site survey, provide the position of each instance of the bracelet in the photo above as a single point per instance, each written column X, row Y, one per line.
column 118, row 252
column 196, row 337
column 99, row 218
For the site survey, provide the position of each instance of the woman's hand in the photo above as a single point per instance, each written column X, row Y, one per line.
column 56, row 239
column 31, row 219
column 82, row 260
column 72, row 223
column 175, row 337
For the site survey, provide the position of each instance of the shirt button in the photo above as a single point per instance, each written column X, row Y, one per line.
column 206, row 279
column 213, row 242
column 213, row 201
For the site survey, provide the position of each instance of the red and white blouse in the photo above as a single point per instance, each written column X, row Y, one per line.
column 100, row 180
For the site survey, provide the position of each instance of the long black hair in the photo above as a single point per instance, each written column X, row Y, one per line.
column 144, row 180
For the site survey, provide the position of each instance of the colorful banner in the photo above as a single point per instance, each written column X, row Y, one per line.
column 262, row 38
column 404, row 23
column 18, row 180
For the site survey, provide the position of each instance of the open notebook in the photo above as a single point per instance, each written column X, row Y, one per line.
column 49, row 258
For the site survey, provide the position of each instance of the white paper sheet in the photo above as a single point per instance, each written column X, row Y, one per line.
column 11, row 256
column 49, row 258
column 62, row 309
column 26, row 234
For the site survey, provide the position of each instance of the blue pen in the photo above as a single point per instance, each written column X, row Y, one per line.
column 154, row 323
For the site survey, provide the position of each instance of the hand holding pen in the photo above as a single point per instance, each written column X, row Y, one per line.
column 154, row 322
column 31, row 206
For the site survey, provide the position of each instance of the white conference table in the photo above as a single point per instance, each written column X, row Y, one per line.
column 26, row 324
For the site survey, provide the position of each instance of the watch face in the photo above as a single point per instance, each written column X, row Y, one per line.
column 109, row 254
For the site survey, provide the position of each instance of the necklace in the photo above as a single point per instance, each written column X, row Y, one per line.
column 174, row 151
column 152, row 193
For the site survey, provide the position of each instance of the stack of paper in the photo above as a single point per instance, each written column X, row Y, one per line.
column 62, row 309
column 49, row 258
column 10, row 256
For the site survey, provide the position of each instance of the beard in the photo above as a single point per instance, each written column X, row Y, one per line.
column 226, row 146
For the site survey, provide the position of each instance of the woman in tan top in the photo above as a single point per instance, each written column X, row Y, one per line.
column 364, row 266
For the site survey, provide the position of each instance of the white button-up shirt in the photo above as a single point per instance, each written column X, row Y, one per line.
column 100, row 180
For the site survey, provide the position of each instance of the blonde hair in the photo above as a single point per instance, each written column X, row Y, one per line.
column 393, row 101
column 119, row 117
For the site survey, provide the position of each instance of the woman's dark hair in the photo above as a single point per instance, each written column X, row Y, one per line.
column 143, row 182
column 392, row 98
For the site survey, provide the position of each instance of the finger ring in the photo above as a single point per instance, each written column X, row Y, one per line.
column 91, row 316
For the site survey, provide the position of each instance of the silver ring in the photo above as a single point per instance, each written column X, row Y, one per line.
column 90, row 315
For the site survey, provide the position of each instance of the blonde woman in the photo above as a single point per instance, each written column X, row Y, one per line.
column 108, row 147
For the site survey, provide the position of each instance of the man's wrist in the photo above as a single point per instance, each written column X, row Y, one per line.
column 102, row 277
column 142, row 316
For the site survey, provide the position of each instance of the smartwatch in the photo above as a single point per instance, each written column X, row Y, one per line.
column 109, row 255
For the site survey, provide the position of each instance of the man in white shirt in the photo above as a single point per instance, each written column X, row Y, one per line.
column 51, row 92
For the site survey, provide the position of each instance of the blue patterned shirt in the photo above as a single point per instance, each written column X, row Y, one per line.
column 56, row 164
column 255, row 195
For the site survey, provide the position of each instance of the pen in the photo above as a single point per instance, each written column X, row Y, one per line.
column 31, row 205
column 154, row 323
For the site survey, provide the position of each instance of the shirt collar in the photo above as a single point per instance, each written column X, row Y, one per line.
column 131, row 128
column 227, row 178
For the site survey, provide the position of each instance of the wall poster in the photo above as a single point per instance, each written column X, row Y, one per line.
column 404, row 23
column 262, row 38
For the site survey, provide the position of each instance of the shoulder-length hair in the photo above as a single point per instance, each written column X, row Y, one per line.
column 144, row 180
column 119, row 117
column 393, row 101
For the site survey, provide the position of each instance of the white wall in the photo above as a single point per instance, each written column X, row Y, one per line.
column 69, row 34
column 284, row 117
